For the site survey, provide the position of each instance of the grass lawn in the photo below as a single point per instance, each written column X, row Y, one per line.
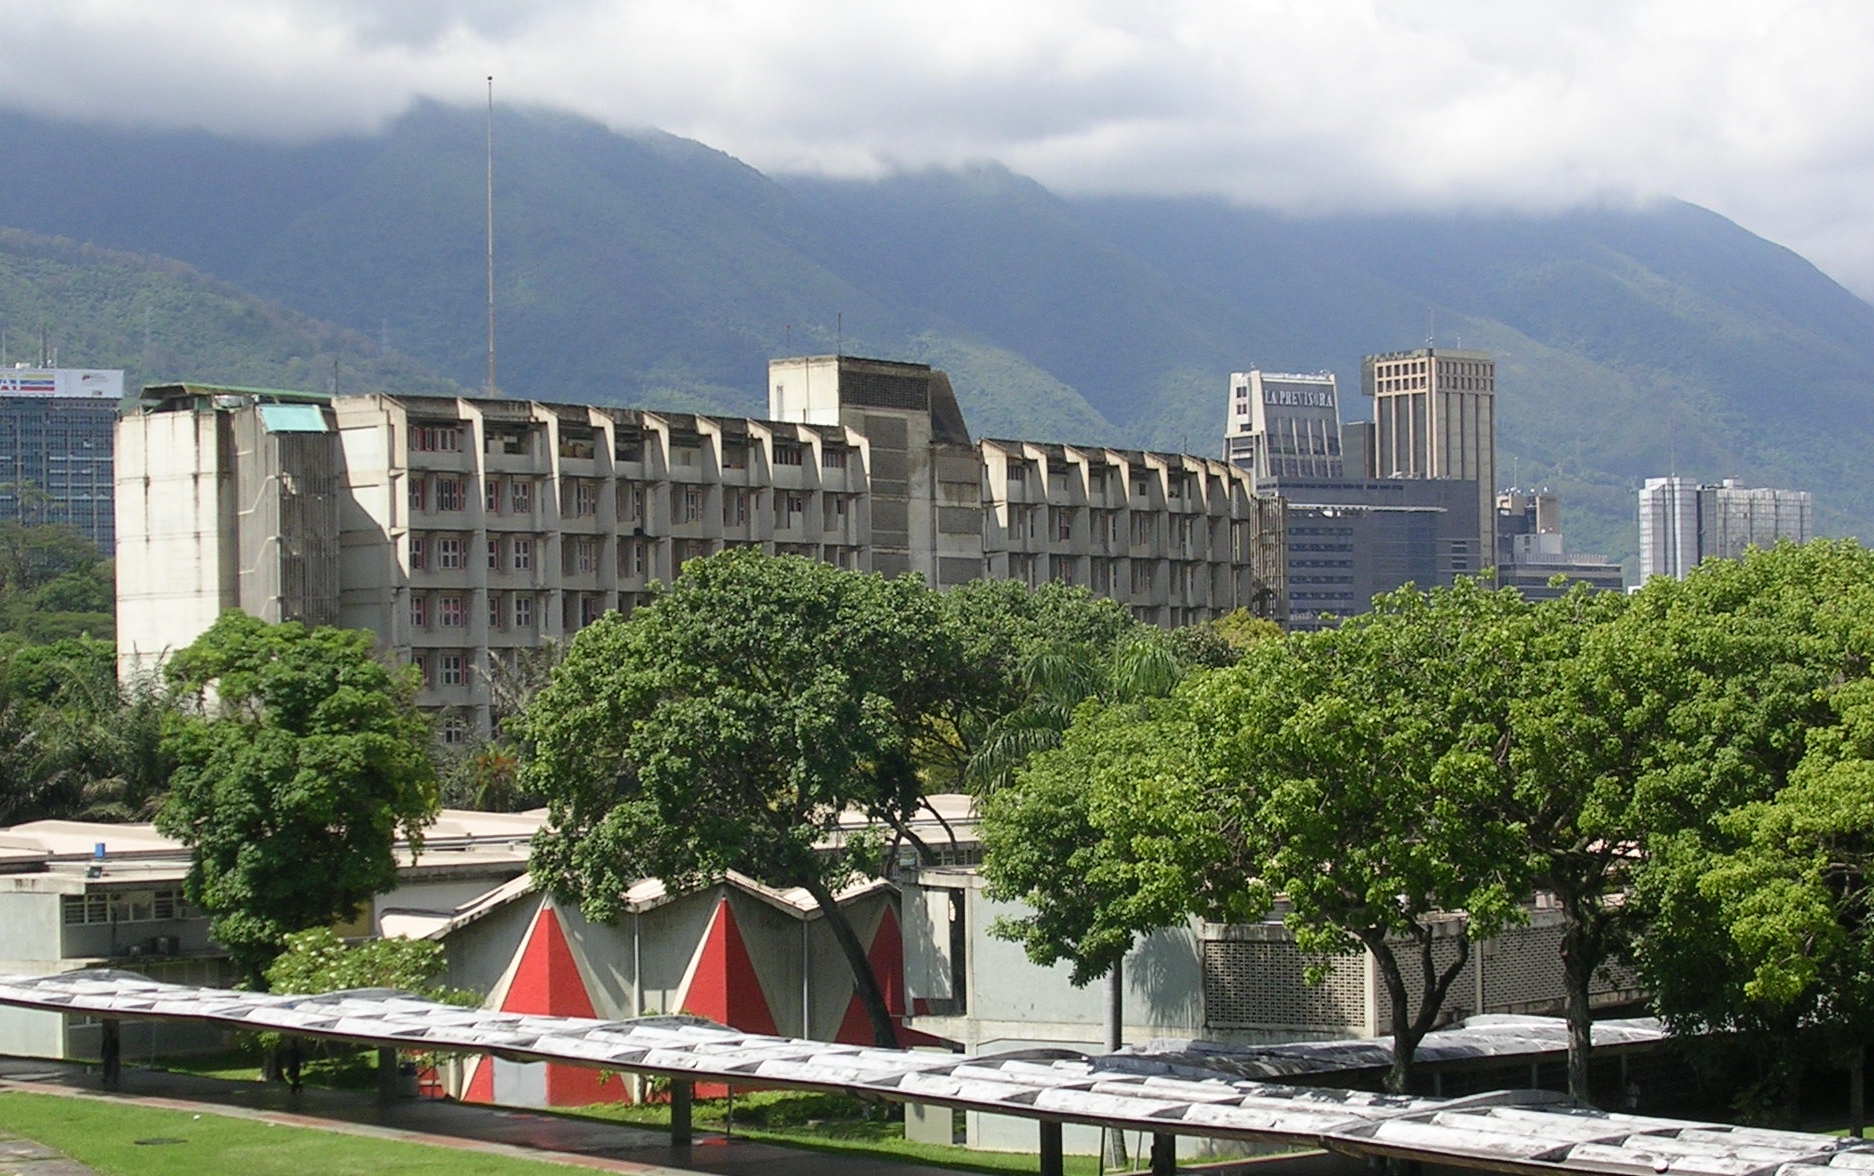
column 104, row 1134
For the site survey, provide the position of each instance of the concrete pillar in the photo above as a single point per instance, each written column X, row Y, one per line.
column 682, row 1093
column 387, row 1074
column 1164, row 1155
column 111, row 1051
column 1050, row 1147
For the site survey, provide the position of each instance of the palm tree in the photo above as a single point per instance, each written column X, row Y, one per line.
column 1056, row 682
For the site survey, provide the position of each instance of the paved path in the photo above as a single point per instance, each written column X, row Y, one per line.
column 23, row 1157
column 582, row 1143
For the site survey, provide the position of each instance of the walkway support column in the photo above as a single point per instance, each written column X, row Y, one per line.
column 386, row 1073
column 682, row 1094
column 1164, row 1155
column 111, row 1052
column 1050, row 1147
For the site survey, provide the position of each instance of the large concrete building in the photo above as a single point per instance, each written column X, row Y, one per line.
column 1683, row 523
column 1434, row 416
column 55, row 447
column 1284, row 425
column 462, row 531
column 1351, row 532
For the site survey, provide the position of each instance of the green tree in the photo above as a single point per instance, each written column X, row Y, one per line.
column 1583, row 713
column 1368, row 769
column 1752, row 663
column 1360, row 771
column 1055, row 680
column 317, row 960
column 728, row 724
column 1005, row 628
column 300, row 760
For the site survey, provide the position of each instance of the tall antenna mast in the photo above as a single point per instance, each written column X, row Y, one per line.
column 491, row 235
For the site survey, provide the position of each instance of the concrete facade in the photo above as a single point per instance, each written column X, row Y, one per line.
column 1285, row 425
column 1434, row 416
column 1530, row 552
column 463, row 531
column 1683, row 523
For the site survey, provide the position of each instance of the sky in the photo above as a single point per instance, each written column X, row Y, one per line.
column 1762, row 110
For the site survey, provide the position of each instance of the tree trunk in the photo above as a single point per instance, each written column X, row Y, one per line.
column 884, row 1033
column 1115, row 1009
column 1581, row 954
column 1410, row 1026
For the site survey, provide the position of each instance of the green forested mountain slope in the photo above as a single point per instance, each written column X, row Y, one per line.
column 159, row 320
column 648, row 269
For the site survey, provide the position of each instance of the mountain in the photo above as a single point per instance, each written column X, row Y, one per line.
column 643, row 268
column 160, row 320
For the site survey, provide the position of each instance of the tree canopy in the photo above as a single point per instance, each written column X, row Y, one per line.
column 729, row 723
column 300, row 760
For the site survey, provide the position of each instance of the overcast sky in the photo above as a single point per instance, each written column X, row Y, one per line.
column 1760, row 109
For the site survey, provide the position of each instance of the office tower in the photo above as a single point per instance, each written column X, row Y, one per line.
column 1434, row 416
column 1683, row 523
column 1284, row 425
column 55, row 448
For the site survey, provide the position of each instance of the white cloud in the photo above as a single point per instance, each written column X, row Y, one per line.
column 1761, row 111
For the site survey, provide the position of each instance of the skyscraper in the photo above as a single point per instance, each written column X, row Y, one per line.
column 1284, row 425
column 1434, row 416
column 55, row 448
column 1683, row 523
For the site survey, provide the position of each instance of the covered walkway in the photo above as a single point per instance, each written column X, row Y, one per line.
column 1507, row 1131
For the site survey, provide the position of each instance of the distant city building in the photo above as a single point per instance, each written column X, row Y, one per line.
column 1434, row 416
column 1530, row 554
column 462, row 531
column 1348, row 540
column 1351, row 533
column 1284, row 425
column 56, row 426
column 1683, row 523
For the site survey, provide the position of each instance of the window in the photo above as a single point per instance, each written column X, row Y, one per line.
column 419, row 492
column 585, row 499
column 450, row 669
column 124, row 906
column 455, row 730
column 450, row 494
column 734, row 508
column 787, row 504
column 419, row 611
column 491, row 496
column 587, row 554
column 787, row 454
column 497, row 615
column 833, row 459
column 419, row 553
column 449, row 554
column 523, row 554
column 421, row 661
column 450, row 612
column 1063, row 525
column 436, row 438
column 687, row 504
column 520, row 496
column 634, row 510
column 1015, row 475
column 591, row 608
column 523, row 612
column 494, row 555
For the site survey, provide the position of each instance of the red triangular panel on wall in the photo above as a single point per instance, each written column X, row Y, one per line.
column 547, row 982
column 887, row 960
column 725, row 986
